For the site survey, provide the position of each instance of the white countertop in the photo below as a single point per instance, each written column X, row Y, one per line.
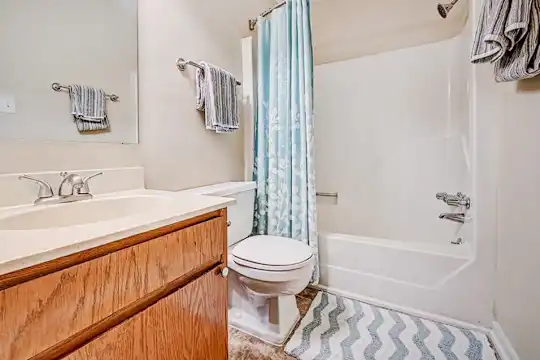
column 23, row 248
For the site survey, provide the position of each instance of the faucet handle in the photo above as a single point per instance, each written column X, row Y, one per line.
column 461, row 200
column 45, row 190
column 85, row 189
column 442, row 196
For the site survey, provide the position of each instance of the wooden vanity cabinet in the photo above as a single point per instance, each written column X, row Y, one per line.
column 157, row 295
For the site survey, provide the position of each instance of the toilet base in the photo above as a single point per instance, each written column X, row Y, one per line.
column 272, row 320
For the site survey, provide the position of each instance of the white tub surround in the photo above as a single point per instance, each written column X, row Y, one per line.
column 429, row 139
column 416, row 264
column 435, row 281
column 387, row 162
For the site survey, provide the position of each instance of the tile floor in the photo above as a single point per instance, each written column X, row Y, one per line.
column 245, row 347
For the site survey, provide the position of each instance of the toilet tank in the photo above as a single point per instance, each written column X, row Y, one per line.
column 240, row 214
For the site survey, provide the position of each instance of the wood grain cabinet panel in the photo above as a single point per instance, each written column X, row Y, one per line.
column 190, row 324
column 40, row 313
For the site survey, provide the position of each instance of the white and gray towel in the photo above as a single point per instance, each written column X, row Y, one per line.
column 88, row 107
column 217, row 97
column 508, row 35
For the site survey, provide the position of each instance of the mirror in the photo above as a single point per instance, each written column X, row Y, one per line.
column 70, row 42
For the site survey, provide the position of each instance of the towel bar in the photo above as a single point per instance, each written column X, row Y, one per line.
column 59, row 87
column 181, row 65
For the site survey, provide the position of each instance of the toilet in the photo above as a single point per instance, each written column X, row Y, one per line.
column 266, row 271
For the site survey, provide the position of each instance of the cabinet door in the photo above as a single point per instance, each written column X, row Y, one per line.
column 190, row 324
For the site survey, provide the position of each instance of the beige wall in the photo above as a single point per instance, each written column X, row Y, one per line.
column 44, row 53
column 20, row 156
column 517, row 302
column 71, row 42
column 507, row 157
column 177, row 151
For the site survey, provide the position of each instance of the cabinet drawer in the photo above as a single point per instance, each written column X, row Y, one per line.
column 40, row 313
column 190, row 324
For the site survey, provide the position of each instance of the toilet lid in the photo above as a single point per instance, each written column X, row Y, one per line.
column 273, row 253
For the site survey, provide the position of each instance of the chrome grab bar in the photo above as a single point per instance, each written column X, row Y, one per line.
column 328, row 194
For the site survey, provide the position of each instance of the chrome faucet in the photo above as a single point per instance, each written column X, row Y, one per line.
column 455, row 217
column 77, row 187
column 458, row 200
column 74, row 183
column 72, row 188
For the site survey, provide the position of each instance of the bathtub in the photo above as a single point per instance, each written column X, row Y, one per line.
column 417, row 278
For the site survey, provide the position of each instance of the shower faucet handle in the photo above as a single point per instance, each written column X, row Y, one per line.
column 442, row 196
column 459, row 199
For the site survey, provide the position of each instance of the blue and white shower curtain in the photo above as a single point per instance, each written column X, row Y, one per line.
column 284, row 167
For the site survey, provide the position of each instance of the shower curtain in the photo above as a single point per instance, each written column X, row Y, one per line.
column 284, row 167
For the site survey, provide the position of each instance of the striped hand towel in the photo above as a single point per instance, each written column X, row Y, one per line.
column 217, row 97
column 524, row 60
column 88, row 108
column 508, row 35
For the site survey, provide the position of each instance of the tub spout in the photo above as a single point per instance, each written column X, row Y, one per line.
column 458, row 217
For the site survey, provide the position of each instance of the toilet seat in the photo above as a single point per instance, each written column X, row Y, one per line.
column 272, row 253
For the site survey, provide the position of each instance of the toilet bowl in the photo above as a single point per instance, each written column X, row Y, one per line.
column 266, row 271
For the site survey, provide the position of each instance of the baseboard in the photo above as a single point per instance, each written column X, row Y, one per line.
column 502, row 344
column 406, row 310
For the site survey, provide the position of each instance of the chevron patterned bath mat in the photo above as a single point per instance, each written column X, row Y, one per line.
column 339, row 328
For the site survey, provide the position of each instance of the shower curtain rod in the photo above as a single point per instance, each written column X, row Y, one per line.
column 253, row 22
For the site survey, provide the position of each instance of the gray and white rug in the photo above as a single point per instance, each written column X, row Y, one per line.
column 339, row 328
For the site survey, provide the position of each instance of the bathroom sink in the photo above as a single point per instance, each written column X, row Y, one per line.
column 83, row 212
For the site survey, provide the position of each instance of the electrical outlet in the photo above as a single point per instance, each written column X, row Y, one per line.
column 7, row 104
